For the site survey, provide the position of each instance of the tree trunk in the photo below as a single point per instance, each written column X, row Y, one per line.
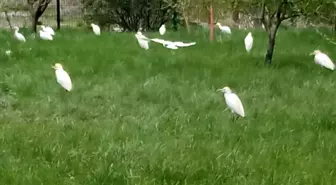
column 175, row 17
column 235, row 16
column 186, row 21
column 8, row 20
column 235, row 12
column 34, row 23
column 272, row 31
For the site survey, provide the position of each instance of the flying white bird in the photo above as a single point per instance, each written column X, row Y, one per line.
column 323, row 60
column 96, row 29
column 18, row 36
column 233, row 102
column 162, row 29
column 171, row 44
column 62, row 77
column 248, row 42
column 45, row 35
column 48, row 29
column 142, row 40
column 224, row 29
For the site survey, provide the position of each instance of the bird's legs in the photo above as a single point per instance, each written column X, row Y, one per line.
column 235, row 118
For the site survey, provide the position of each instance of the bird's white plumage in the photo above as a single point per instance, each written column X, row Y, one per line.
column 172, row 44
column 48, row 29
column 142, row 40
column 323, row 60
column 223, row 28
column 162, row 29
column 233, row 101
column 96, row 29
column 248, row 42
column 45, row 35
column 62, row 77
column 18, row 36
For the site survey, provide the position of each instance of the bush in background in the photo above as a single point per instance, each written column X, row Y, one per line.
column 129, row 14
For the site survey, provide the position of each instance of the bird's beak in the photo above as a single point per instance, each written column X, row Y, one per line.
column 311, row 53
column 53, row 67
column 219, row 90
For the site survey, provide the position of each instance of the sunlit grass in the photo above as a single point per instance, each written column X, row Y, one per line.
column 154, row 117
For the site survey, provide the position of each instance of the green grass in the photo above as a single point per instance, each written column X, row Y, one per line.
column 154, row 117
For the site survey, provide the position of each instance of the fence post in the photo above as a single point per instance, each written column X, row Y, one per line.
column 58, row 10
column 211, row 23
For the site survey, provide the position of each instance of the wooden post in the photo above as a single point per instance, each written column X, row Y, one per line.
column 58, row 16
column 211, row 24
column 175, row 18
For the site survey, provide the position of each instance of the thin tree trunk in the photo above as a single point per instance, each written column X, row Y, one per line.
column 270, row 49
column 271, row 43
column 235, row 13
column 186, row 23
column 175, row 17
column 8, row 20
column 34, row 23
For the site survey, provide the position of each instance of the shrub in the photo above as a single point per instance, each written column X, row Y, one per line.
column 129, row 14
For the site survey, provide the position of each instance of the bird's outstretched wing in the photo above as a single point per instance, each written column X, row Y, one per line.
column 182, row 44
column 160, row 41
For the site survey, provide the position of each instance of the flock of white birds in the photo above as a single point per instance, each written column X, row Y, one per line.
column 232, row 100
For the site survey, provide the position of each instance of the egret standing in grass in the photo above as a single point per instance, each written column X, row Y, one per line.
column 323, row 60
column 248, row 42
column 233, row 102
column 96, row 29
column 224, row 29
column 162, row 30
column 48, row 29
column 62, row 77
column 45, row 35
column 18, row 36
column 142, row 40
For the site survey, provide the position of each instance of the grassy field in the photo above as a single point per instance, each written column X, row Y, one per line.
column 154, row 117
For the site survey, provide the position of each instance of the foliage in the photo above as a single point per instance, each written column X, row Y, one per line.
column 129, row 14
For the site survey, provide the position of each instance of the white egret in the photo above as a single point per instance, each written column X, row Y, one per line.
column 172, row 44
column 248, row 42
column 45, row 35
column 18, row 36
column 62, row 77
column 232, row 101
column 48, row 29
column 223, row 28
column 96, row 29
column 323, row 60
column 142, row 40
column 162, row 29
